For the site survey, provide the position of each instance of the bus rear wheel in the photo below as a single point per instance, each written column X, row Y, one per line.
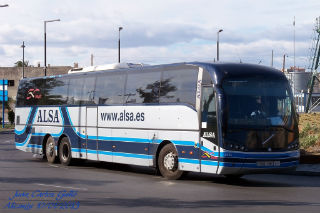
column 50, row 150
column 65, row 152
column 168, row 163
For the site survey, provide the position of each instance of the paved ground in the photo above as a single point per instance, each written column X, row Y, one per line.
column 33, row 184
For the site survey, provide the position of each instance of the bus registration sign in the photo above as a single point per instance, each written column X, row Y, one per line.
column 268, row 163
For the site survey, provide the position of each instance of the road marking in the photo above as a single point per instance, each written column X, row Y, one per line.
column 55, row 166
column 67, row 187
column 167, row 183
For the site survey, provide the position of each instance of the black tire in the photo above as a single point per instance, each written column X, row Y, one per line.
column 50, row 150
column 168, row 163
column 65, row 152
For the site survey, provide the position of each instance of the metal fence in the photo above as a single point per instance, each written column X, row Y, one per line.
column 301, row 102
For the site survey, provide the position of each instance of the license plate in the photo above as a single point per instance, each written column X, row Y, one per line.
column 268, row 163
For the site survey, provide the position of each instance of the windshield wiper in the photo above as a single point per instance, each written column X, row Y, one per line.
column 280, row 126
column 265, row 128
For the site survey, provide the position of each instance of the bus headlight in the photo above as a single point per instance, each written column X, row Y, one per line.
column 294, row 145
column 234, row 146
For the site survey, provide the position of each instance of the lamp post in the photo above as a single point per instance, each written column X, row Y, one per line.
column 120, row 28
column 45, row 44
column 218, row 43
column 23, row 46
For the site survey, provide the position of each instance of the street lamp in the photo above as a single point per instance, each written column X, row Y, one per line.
column 45, row 44
column 4, row 5
column 23, row 46
column 120, row 28
column 218, row 43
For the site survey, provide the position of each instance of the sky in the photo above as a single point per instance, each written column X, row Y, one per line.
column 158, row 31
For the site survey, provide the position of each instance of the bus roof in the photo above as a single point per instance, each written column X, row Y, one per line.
column 218, row 70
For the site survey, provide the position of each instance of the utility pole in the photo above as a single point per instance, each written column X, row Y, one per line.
column 45, row 44
column 23, row 46
column 294, row 43
column 120, row 28
column 284, row 62
column 272, row 58
column 218, row 43
column 91, row 59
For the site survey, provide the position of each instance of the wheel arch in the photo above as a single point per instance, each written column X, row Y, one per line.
column 160, row 146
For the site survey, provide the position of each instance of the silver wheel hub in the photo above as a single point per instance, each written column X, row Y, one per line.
column 169, row 161
column 50, row 149
column 65, row 153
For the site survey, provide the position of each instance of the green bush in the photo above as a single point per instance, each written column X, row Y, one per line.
column 308, row 141
column 11, row 116
column 309, row 136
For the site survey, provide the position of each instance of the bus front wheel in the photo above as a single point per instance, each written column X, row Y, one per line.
column 168, row 163
column 65, row 152
column 50, row 150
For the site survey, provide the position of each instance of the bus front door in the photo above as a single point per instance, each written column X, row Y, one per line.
column 209, row 148
column 92, row 132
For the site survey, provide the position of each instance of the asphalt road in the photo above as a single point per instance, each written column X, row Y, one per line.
column 31, row 184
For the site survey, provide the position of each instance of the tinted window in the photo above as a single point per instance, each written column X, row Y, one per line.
column 143, row 87
column 51, row 91
column 75, row 90
column 109, row 89
column 258, row 101
column 88, row 91
column 179, row 86
column 22, row 96
column 54, row 91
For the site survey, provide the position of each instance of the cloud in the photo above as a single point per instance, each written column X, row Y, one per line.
column 156, row 31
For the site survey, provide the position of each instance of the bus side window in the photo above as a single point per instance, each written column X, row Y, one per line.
column 109, row 88
column 55, row 92
column 179, row 86
column 88, row 91
column 75, row 90
column 208, row 105
column 142, row 87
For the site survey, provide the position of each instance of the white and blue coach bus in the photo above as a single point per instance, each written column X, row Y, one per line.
column 229, row 119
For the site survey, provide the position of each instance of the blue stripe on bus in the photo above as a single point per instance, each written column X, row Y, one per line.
column 120, row 154
column 74, row 129
column 209, row 162
column 188, row 160
column 31, row 124
column 77, row 150
column 53, row 134
column 138, row 140
column 205, row 149
column 104, row 152
column 258, row 155
column 141, row 140
column 130, row 155
column 24, row 143
column 24, row 129
column 254, row 165
column 34, row 146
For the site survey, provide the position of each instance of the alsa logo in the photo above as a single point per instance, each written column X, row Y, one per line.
column 33, row 94
column 209, row 135
column 51, row 116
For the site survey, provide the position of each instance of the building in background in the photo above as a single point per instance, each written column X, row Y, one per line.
column 14, row 74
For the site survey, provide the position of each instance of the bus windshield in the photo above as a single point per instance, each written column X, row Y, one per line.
column 257, row 102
